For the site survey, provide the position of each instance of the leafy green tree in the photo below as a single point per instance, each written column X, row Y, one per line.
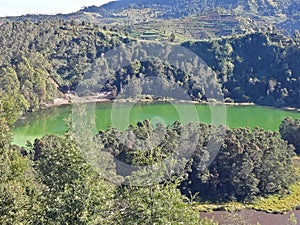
column 18, row 187
column 13, row 104
column 72, row 192
column 249, row 163
column 157, row 204
column 290, row 131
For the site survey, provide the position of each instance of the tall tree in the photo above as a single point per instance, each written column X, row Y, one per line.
column 72, row 192
column 18, row 187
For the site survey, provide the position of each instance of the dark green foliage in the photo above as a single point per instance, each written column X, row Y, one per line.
column 259, row 68
column 18, row 187
column 157, row 204
column 39, row 59
column 53, row 183
column 249, row 163
column 140, row 147
column 290, row 131
column 12, row 102
column 72, row 192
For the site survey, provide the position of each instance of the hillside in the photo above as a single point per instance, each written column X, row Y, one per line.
column 177, row 8
column 188, row 19
column 42, row 61
column 233, row 15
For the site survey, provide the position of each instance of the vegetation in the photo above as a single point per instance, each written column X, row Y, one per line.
column 255, row 68
column 194, row 19
column 50, row 58
column 176, row 8
column 250, row 163
column 289, row 130
column 80, row 195
column 244, row 167
column 157, row 204
column 18, row 196
column 276, row 203
column 197, row 19
column 271, row 204
column 76, row 195
column 292, row 220
column 279, row 204
column 40, row 61
column 50, row 180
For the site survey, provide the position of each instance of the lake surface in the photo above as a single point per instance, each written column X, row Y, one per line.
column 51, row 120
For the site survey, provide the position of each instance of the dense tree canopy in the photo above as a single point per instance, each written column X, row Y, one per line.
column 72, row 192
column 290, row 131
column 18, row 187
column 259, row 68
column 50, row 182
column 40, row 61
column 249, row 163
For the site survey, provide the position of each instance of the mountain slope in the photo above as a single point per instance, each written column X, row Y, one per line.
column 179, row 8
column 187, row 19
column 283, row 14
column 40, row 61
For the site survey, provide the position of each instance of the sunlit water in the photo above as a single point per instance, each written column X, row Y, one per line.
column 51, row 121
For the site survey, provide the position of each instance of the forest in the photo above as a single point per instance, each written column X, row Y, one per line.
column 51, row 182
column 249, row 163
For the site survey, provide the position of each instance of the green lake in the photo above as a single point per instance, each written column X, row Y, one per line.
column 51, row 120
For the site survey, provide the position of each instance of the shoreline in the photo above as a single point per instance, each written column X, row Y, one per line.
column 69, row 99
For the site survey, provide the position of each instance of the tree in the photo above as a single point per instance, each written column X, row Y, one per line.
column 249, row 163
column 72, row 192
column 13, row 104
column 157, row 204
column 18, row 187
column 290, row 131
